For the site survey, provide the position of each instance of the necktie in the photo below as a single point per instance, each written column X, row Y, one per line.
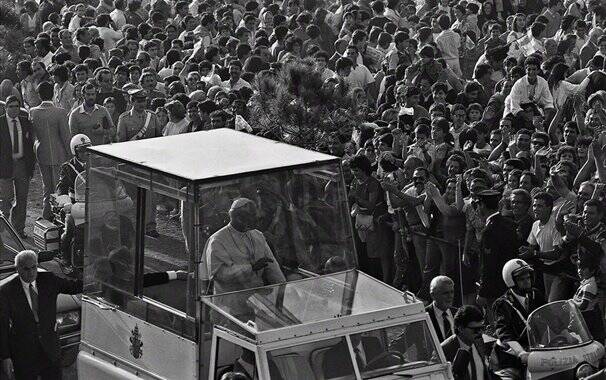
column 15, row 137
column 472, row 363
column 34, row 298
column 447, row 329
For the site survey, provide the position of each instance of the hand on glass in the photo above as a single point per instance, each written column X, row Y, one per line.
column 182, row 275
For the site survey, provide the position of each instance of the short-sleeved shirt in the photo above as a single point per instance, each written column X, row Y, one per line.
column 546, row 236
column 131, row 122
column 94, row 124
column 587, row 291
column 360, row 77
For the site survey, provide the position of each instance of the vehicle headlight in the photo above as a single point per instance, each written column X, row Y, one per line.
column 584, row 370
column 68, row 320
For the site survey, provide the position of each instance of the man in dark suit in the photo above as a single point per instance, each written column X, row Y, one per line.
column 441, row 312
column 16, row 163
column 465, row 349
column 498, row 245
column 28, row 312
column 336, row 364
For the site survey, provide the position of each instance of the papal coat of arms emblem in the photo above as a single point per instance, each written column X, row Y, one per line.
column 136, row 345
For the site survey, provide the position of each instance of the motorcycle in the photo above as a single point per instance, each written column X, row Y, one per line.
column 561, row 346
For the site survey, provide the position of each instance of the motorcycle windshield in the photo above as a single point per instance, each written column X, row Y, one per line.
column 556, row 325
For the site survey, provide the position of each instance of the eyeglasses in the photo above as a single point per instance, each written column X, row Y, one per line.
column 476, row 328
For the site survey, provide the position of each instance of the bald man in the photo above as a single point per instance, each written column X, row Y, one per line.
column 237, row 256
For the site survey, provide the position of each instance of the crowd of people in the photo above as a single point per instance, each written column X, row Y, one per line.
column 481, row 135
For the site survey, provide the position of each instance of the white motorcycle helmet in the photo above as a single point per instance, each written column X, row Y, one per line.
column 79, row 141
column 513, row 268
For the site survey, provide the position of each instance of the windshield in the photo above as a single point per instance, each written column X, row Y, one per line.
column 307, row 301
column 558, row 324
column 376, row 352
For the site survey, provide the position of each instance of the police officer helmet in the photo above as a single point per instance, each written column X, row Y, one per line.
column 514, row 268
column 78, row 141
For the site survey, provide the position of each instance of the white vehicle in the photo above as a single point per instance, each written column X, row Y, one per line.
column 136, row 328
column 344, row 325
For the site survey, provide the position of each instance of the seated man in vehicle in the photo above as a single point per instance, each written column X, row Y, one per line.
column 511, row 310
column 238, row 256
column 366, row 348
column 73, row 235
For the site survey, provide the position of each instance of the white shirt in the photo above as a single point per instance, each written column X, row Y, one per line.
column 546, row 236
column 74, row 23
column 236, row 86
column 110, row 37
column 522, row 92
column 9, row 120
column 118, row 17
column 360, row 77
column 438, row 314
column 26, row 290
column 477, row 360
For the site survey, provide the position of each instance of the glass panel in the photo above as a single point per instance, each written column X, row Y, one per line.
column 558, row 324
column 309, row 300
column 109, row 271
column 395, row 348
column 301, row 221
column 168, row 270
column 325, row 359
column 10, row 244
column 233, row 358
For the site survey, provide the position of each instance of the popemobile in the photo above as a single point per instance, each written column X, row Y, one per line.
column 258, row 275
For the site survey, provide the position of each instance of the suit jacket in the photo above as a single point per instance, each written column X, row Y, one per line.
column 450, row 347
column 18, row 328
column 430, row 310
column 6, row 147
column 499, row 245
column 51, row 130
column 335, row 363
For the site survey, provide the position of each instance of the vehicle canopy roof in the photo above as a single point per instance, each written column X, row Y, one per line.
column 316, row 305
column 211, row 155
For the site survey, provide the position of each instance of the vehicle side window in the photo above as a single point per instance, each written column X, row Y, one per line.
column 233, row 358
column 326, row 359
column 168, row 278
column 394, row 347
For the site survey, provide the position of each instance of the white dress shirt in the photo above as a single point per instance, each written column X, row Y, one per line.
column 9, row 120
column 523, row 92
column 438, row 313
column 26, row 291
column 477, row 361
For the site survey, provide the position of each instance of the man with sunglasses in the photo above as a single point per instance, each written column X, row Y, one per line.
column 511, row 310
column 465, row 349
